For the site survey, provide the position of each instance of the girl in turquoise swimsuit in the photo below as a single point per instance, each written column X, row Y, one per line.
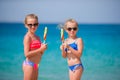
column 72, row 50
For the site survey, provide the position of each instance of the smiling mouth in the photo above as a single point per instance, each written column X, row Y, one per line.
column 72, row 32
column 33, row 28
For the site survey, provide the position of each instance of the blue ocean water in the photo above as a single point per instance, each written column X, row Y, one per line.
column 101, row 55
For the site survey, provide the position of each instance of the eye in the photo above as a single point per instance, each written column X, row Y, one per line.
column 35, row 25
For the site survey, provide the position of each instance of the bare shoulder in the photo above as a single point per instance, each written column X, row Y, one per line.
column 79, row 40
column 26, row 38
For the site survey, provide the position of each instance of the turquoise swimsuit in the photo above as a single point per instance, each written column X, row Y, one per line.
column 74, row 67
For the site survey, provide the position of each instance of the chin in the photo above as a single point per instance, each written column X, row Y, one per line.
column 33, row 31
column 72, row 34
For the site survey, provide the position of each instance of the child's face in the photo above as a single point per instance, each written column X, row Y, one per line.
column 71, row 29
column 32, row 24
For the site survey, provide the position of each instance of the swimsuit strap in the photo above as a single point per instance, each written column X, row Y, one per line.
column 75, row 41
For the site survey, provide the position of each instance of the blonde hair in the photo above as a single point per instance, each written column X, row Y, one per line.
column 72, row 21
column 30, row 16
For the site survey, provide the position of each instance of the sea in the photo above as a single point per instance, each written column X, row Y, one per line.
column 100, row 57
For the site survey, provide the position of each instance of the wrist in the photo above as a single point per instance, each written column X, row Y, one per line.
column 68, row 46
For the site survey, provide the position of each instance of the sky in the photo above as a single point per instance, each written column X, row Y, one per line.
column 58, row 11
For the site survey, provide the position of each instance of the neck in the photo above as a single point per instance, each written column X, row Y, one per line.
column 72, row 37
column 31, row 34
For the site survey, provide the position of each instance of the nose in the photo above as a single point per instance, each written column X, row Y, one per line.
column 33, row 26
column 72, row 30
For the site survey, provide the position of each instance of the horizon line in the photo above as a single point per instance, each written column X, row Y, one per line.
column 57, row 23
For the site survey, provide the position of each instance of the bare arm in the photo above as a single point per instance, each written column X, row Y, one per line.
column 64, row 54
